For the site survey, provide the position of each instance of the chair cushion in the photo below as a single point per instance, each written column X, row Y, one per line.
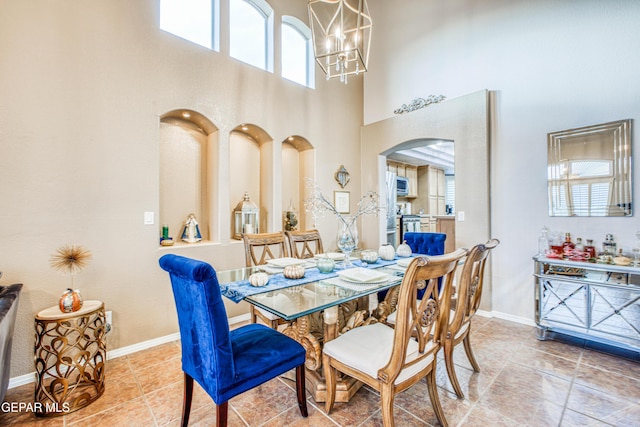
column 259, row 354
column 368, row 349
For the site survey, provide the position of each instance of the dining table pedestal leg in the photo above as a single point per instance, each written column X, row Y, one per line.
column 313, row 329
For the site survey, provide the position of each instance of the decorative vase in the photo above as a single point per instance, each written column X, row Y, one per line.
column 387, row 252
column 326, row 264
column 404, row 250
column 347, row 238
column 70, row 301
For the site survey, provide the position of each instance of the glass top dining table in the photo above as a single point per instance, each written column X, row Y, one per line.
column 293, row 302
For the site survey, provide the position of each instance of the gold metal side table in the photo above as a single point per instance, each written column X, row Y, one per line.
column 70, row 353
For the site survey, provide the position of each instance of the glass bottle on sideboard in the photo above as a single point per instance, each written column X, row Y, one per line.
column 543, row 241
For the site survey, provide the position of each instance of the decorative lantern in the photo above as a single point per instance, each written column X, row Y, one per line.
column 246, row 217
column 290, row 218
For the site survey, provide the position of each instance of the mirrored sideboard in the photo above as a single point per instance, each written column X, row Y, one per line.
column 599, row 303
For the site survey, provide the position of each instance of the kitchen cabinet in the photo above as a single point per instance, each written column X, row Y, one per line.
column 435, row 192
column 428, row 224
column 407, row 171
column 447, row 225
column 411, row 173
column 595, row 302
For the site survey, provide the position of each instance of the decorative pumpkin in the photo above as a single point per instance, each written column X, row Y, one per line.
column 70, row 301
column 326, row 264
column 259, row 279
column 293, row 272
column 387, row 252
column 404, row 250
column 369, row 256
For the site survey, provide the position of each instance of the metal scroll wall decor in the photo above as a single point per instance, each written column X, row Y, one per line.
column 419, row 103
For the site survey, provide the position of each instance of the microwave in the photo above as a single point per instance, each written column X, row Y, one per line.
column 402, row 186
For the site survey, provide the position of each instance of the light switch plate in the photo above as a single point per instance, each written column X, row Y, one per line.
column 148, row 218
column 461, row 216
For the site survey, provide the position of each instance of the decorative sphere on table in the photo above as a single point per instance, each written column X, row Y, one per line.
column 387, row 252
column 293, row 272
column 326, row 264
column 404, row 250
column 70, row 301
column 369, row 256
column 259, row 279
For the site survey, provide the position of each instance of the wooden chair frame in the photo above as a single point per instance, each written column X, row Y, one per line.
column 258, row 248
column 301, row 243
column 424, row 321
column 467, row 301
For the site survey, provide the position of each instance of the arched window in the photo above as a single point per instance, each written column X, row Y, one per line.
column 297, row 59
column 193, row 20
column 251, row 32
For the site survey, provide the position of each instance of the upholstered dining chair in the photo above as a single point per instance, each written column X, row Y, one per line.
column 304, row 244
column 464, row 307
column 389, row 359
column 225, row 363
column 258, row 248
column 425, row 243
column 421, row 243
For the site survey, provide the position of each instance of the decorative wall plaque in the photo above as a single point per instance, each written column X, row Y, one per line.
column 342, row 176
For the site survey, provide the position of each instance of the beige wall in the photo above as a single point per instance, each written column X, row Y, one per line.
column 463, row 120
column 83, row 86
column 549, row 65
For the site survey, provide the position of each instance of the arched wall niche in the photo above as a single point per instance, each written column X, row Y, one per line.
column 298, row 163
column 188, row 149
column 251, row 152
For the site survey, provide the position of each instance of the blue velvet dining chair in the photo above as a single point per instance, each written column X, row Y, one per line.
column 225, row 363
column 420, row 243
column 425, row 243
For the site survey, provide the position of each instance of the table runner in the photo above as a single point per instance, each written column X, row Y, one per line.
column 237, row 291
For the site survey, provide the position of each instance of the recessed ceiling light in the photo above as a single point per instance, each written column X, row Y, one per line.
column 245, row 128
column 186, row 114
column 290, row 138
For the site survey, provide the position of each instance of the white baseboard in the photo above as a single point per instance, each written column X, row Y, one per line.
column 483, row 313
column 123, row 351
column 512, row 318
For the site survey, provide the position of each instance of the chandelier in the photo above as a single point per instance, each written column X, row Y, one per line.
column 341, row 33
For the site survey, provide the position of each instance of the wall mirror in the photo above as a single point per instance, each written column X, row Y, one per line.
column 589, row 170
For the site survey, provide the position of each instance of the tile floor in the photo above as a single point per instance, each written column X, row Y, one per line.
column 524, row 382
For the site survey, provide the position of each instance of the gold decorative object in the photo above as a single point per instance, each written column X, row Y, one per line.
column 259, row 279
column 293, row 272
column 342, row 176
column 70, row 259
column 70, row 353
column 70, row 301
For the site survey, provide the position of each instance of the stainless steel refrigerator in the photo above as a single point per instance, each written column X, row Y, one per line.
column 391, row 208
